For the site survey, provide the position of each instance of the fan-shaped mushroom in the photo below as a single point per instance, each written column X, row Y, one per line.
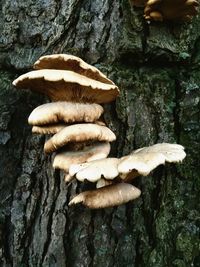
column 73, row 63
column 107, row 196
column 93, row 171
column 142, row 161
column 64, row 85
column 65, row 111
column 79, row 133
column 89, row 153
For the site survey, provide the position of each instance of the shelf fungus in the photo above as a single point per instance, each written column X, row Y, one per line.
column 75, row 118
column 72, row 63
column 108, row 196
column 67, row 85
column 142, row 161
column 68, row 112
column 64, row 160
column 113, row 170
column 79, row 133
column 176, row 10
column 95, row 170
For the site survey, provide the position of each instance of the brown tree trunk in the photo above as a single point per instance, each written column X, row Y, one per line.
column 157, row 69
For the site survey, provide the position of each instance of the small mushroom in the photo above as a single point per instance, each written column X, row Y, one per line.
column 89, row 153
column 48, row 129
column 159, row 10
column 142, row 161
column 65, row 111
column 108, row 196
column 73, row 63
column 79, row 133
column 93, row 171
column 64, row 85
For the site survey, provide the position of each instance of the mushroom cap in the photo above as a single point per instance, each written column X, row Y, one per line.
column 79, row 133
column 142, row 161
column 108, row 196
column 92, row 152
column 64, row 85
column 68, row 112
column 48, row 129
column 93, row 171
column 73, row 63
column 170, row 10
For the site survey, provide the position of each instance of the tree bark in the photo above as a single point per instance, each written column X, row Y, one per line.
column 156, row 67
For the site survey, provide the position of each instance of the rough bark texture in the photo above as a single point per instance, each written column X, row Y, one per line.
column 157, row 69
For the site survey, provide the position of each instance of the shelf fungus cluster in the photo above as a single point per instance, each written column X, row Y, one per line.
column 159, row 10
column 80, row 139
column 74, row 117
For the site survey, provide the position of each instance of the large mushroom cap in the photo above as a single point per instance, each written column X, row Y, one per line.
column 94, row 170
column 73, row 63
column 65, row 111
column 64, row 85
column 79, row 133
column 142, row 161
column 92, row 152
column 107, row 196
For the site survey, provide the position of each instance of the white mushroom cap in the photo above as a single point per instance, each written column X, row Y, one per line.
column 73, row 63
column 68, row 112
column 92, row 152
column 48, row 129
column 64, row 85
column 93, row 171
column 79, row 133
column 142, row 161
column 108, row 196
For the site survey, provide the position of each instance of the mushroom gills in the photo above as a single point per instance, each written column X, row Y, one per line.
column 64, row 85
column 94, row 151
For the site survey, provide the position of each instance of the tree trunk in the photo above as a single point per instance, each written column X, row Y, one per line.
column 157, row 69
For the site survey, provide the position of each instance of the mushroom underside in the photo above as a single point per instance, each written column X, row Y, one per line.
column 67, row 86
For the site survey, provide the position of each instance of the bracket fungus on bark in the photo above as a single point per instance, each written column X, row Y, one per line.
column 64, row 160
column 65, row 112
column 108, row 196
column 106, row 171
column 142, row 161
column 175, row 10
column 85, row 146
column 66, row 85
column 79, row 133
column 93, row 171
